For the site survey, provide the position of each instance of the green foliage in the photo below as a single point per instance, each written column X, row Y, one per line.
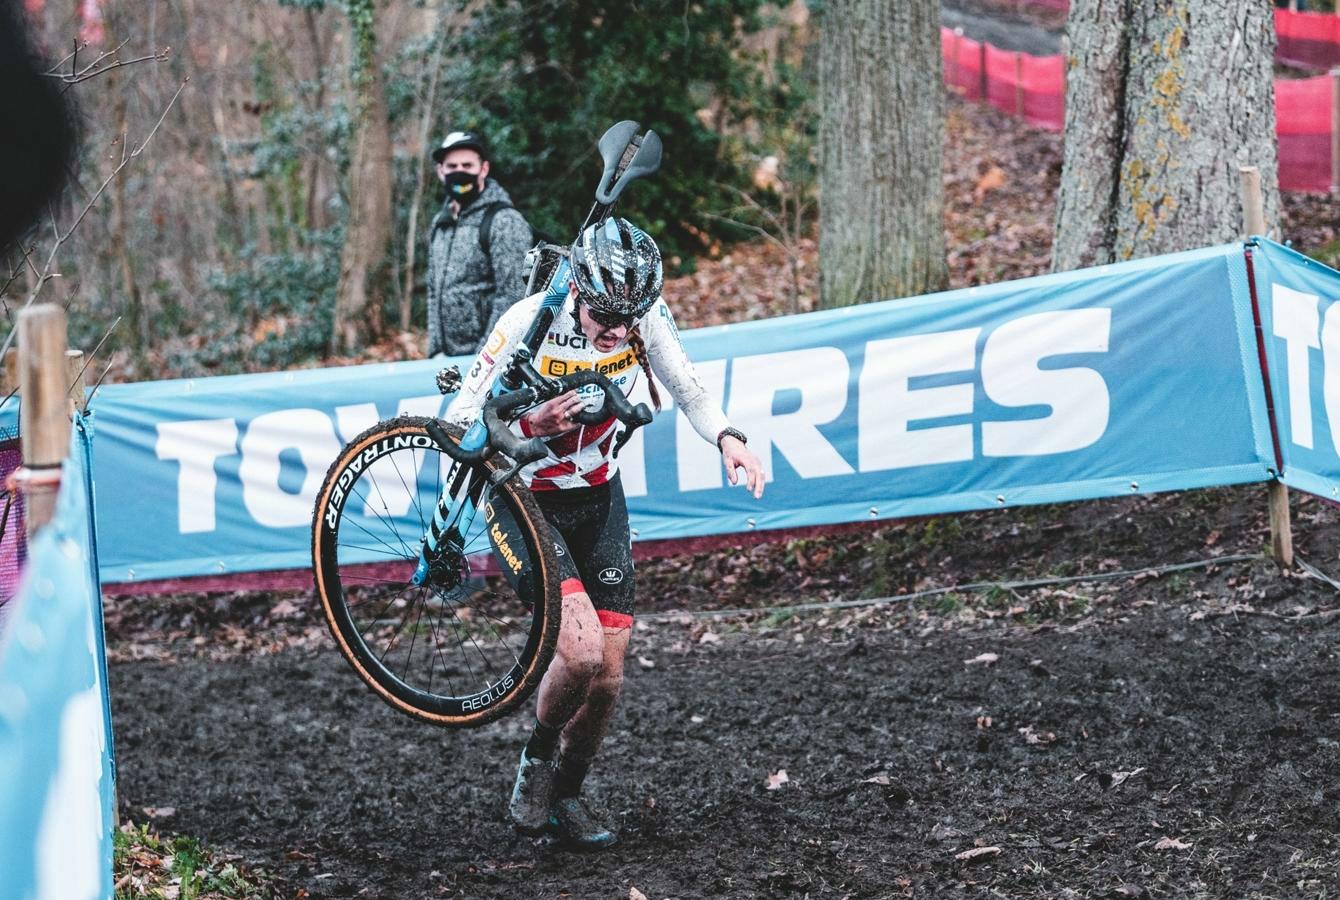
column 184, row 858
column 277, row 308
column 544, row 79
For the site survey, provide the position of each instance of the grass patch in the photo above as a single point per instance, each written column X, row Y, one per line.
column 147, row 864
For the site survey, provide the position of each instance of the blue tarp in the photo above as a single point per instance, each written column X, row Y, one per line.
column 1300, row 321
column 1135, row 377
column 57, row 794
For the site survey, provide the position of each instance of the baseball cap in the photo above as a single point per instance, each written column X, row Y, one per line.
column 460, row 139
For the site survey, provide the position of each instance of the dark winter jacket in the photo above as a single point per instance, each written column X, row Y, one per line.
column 466, row 292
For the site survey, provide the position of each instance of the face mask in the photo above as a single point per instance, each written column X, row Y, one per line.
column 463, row 187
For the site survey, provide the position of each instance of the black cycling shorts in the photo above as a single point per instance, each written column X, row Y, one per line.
column 595, row 551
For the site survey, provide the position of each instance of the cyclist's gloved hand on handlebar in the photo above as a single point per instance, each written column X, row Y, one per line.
column 555, row 417
column 735, row 455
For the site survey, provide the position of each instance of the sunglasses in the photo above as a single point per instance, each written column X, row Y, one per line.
column 608, row 320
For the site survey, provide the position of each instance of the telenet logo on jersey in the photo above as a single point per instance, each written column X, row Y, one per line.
column 554, row 367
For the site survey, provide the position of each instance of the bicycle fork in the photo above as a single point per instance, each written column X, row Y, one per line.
column 442, row 537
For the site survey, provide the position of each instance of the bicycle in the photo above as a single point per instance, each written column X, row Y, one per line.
column 477, row 597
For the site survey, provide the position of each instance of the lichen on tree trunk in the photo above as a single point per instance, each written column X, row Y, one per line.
column 881, row 222
column 1165, row 100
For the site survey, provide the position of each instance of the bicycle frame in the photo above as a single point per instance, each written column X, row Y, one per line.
column 628, row 156
column 476, row 438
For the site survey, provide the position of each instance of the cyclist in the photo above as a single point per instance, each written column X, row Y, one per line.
column 615, row 321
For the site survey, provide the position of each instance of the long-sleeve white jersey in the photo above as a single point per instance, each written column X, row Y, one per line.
column 584, row 457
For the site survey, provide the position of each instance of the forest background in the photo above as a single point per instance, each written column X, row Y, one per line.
column 221, row 246
column 290, row 140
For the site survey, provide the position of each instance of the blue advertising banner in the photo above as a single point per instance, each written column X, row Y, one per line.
column 56, row 772
column 1300, row 321
column 1135, row 377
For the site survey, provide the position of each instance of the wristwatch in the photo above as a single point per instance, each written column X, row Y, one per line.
column 731, row 432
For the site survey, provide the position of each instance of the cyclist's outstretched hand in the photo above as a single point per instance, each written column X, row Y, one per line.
column 735, row 455
column 555, row 416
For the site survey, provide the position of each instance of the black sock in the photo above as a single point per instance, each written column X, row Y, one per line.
column 543, row 741
column 571, row 774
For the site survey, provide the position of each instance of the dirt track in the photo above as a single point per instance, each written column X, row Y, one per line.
column 1228, row 716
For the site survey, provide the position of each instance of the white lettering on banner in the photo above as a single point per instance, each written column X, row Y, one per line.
column 699, row 462
column 1077, row 396
column 1330, row 362
column 308, row 431
column 633, row 456
column 353, row 420
column 821, row 376
column 1296, row 321
column 196, row 445
column 889, row 404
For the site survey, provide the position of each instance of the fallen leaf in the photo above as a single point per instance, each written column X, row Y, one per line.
column 881, row 778
column 941, row 833
column 1212, row 538
column 160, row 812
column 992, row 180
column 710, row 637
column 977, row 854
column 776, row 780
column 1037, row 738
column 1120, row 777
column 284, row 609
column 1171, row 843
column 635, row 894
column 646, row 663
column 982, row 658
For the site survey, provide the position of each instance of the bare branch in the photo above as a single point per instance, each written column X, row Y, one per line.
column 100, row 65
column 126, row 159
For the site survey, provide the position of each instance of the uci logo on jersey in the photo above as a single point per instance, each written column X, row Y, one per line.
column 611, row 576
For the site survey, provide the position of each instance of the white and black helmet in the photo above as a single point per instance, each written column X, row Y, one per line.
column 617, row 268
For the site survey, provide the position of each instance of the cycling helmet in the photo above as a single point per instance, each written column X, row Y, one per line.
column 617, row 268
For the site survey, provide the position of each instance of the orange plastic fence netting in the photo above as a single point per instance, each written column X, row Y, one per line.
column 1031, row 87
column 1308, row 39
column 963, row 63
column 1303, row 124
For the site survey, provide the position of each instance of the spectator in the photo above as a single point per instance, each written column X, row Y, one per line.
column 476, row 249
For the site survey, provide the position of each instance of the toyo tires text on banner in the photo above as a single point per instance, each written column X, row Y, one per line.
column 1136, row 377
column 1300, row 321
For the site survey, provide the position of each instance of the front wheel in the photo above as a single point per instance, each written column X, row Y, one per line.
column 470, row 641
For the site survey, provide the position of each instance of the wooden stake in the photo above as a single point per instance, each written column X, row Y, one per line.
column 1018, row 85
column 74, row 380
column 955, row 75
column 44, row 422
column 986, row 82
column 1335, row 132
column 10, row 380
column 1254, row 222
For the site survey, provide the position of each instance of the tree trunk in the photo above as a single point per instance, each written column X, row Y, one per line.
column 1165, row 100
column 358, row 316
column 881, row 218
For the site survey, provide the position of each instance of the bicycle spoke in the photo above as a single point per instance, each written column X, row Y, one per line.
column 413, row 638
column 467, row 630
column 413, row 495
column 388, row 518
column 393, row 551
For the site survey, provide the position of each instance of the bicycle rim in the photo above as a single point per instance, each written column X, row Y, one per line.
column 473, row 641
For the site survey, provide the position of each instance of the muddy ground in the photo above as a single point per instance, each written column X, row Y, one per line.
column 1161, row 734
column 1169, row 734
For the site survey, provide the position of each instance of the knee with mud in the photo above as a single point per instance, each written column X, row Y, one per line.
column 604, row 689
